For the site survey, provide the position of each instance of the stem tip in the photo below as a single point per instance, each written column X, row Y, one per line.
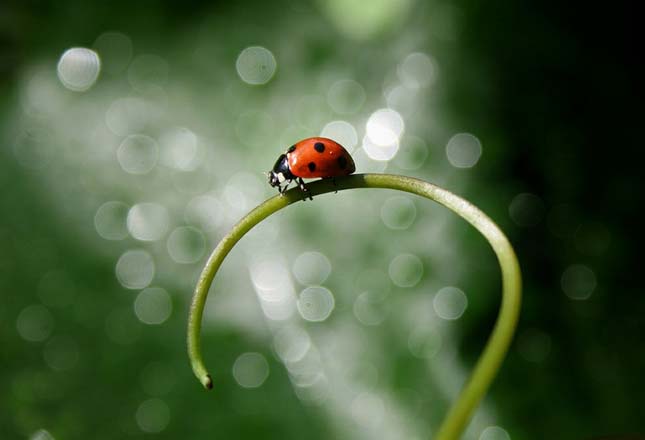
column 207, row 382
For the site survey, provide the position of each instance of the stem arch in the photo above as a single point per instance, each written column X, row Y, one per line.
column 498, row 342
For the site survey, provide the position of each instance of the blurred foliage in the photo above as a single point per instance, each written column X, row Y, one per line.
column 548, row 94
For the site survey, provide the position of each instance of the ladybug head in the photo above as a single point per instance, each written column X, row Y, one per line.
column 273, row 178
column 280, row 171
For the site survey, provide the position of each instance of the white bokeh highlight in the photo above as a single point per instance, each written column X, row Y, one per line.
column 315, row 303
column 384, row 127
column 78, row 68
column 274, row 288
column 135, row 269
column 148, row 221
column 256, row 65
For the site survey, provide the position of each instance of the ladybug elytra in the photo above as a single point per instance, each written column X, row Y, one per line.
column 310, row 158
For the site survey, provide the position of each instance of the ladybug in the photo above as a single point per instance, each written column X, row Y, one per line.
column 309, row 158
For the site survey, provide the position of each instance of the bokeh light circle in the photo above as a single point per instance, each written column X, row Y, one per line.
column 41, row 434
column 463, row 150
column 135, row 269
column 186, row 245
column 250, row 370
column 384, row 127
column 35, row 323
column 494, row 433
column 110, row 220
column 342, row 132
column 153, row 305
column 291, row 343
column 153, row 416
column 398, row 212
column 315, row 303
column 311, row 268
column 406, row 270
column 353, row 19
column 148, row 221
column 178, row 149
column 450, row 303
column 424, row 343
column 381, row 153
column 417, row 70
column 78, row 68
column 271, row 280
column 370, row 309
column 256, row 65
column 137, row 154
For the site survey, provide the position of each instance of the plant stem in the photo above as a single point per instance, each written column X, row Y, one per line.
column 496, row 347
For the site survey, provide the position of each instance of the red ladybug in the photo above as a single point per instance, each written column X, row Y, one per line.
column 309, row 158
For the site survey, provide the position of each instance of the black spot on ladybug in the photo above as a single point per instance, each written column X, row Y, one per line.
column 311, row 166
column 291, row 149
column 342, row 162
column 319, row 147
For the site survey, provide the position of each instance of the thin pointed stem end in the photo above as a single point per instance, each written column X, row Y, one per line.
column 207, row 382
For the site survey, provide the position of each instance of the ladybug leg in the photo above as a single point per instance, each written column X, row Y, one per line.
column 286, row 186
column 305, row 190
column 333, row 180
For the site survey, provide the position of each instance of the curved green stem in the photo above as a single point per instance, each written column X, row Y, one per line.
column 499, row 340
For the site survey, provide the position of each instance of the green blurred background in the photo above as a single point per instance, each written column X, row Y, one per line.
column 357, row 316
